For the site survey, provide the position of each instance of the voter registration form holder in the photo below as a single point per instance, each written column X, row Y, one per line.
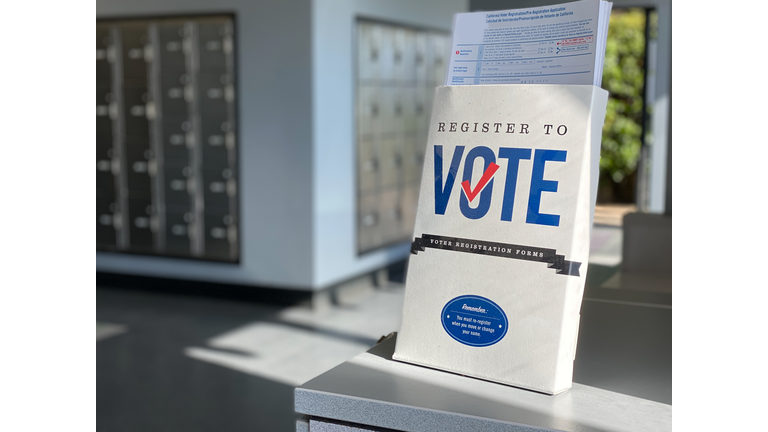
column 501, row 240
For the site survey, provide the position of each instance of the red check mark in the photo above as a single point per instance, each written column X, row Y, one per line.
column 471, row 194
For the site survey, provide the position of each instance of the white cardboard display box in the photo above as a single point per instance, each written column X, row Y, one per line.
column 501, row 241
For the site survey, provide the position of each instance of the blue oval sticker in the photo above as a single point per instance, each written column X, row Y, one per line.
column 475, row 321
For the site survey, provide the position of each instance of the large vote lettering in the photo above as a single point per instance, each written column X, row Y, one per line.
column 514, row 156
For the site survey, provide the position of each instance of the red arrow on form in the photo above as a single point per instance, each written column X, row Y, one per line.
column 471, row 194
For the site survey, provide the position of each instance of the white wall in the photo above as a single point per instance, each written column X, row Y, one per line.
column 333, row 107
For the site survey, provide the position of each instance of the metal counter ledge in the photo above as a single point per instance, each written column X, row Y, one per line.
column 374, row 392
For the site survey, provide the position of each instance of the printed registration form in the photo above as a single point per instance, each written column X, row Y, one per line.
column 558, row 44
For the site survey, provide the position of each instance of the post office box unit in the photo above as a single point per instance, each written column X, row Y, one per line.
column 387, row 55
column 421, row 106
column 369, row 108
column 426, row 97
column 103, row 118
column 140, row 213
column 398, row 54
column 134, row 40
column 412, row 160
column 170, row 79
column 214, row 126
column 368, row 53
column 138, row 162
column 367, row 165
column 398, row 110
column 220, row 236
column 230, row 141
column 218, row 189
column 421, row 55
column 220, row 142
column 409, row 57
column 135, row 110
column 105, row 180
column 390, row 158
column 170, row 49
column 105, row 177
column 140, row 182
column 391, row 215
column 178, row 224
column 179, row 183
column 215, row 92
column 178, row 136
column 214, row 41
column 106, row 236
column 368, row 223
column 177, row 190
column 174, row 91
column 387, row 109
column 410, row 107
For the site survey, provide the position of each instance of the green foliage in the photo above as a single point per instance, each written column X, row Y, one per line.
column 623, row 76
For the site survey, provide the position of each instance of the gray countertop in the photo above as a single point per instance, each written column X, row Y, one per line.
column 374, row 390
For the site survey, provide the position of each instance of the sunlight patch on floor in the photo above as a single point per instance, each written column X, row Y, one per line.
column 305, row 343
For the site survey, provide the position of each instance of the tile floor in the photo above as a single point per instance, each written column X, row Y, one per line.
column 180, row 362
